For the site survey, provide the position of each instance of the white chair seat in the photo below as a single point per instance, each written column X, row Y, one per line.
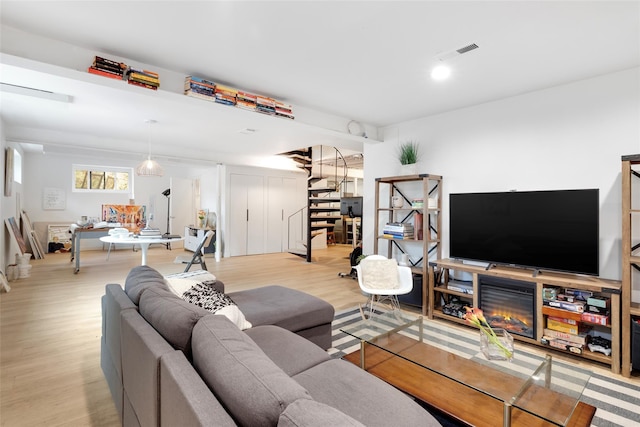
column 379, row 295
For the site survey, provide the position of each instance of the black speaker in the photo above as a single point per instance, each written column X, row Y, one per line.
column 635, row 343
column 415, row 296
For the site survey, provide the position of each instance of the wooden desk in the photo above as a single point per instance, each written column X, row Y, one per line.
column 458, row 400
column 84, row 233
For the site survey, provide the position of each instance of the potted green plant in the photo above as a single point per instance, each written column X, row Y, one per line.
column 408, row 155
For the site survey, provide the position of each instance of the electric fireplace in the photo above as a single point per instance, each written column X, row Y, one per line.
column 508, row 304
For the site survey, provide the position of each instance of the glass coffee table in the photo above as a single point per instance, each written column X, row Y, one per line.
column 480, row 392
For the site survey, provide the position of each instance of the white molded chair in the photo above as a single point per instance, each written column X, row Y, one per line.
column 198, row 254
column 381, row 289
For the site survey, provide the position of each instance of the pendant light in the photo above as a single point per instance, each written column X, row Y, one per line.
column 149, row 167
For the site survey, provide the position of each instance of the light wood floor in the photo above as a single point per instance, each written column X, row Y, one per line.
column 50, row 324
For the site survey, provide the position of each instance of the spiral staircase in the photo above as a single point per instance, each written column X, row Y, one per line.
column 327, row 176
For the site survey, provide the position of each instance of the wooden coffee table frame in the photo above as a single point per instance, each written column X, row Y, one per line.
column 402, row 363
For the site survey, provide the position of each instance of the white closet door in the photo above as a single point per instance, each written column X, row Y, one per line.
column 281, row 202
column 246, row 215
column 255, row 217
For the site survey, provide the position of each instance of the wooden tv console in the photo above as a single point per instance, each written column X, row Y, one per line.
column 441, row 272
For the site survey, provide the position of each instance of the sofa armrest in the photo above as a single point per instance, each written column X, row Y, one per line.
column 184, row 398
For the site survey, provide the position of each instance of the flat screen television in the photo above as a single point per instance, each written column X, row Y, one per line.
column 545, row 230
column 351, row 206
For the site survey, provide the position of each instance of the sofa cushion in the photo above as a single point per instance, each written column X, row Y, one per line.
column 205, row 296
column 139, row 279
column 309, row 413
column 172, row 317
column 362, row 396
column 180, row 282
column 292, row 353
column 250, row 386
column 288, row 308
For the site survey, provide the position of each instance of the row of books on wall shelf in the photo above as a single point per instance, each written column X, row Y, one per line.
column 119, row 70
column 198, row 87
column 108, row 68
column 144, row 78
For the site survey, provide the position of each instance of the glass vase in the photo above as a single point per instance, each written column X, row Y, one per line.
column 499, row 347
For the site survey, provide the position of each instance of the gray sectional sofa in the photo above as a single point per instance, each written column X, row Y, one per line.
column 172, row 363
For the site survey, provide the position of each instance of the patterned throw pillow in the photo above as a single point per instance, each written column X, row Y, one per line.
column 204, row 295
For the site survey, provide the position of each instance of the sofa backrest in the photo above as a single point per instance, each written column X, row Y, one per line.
column 114, row 301
column 142, row 348
column 185, row 400
column 250, row 386
column 171, row 316
column 140, row 278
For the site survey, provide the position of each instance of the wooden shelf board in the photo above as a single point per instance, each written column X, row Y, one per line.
column 392, row 179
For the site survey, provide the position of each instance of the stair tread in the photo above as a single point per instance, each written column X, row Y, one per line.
column 324, row 199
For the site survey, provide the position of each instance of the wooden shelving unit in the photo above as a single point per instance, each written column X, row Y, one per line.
column 422, row 186
column 630, row 262
column 440, row 273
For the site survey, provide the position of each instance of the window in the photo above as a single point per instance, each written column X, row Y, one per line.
column 102, row 178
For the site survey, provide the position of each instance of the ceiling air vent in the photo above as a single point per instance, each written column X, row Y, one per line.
column 467, row 48
column 444, row 56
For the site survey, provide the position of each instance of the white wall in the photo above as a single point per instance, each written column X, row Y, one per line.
column 55, row 170
column 9, row 206
column 570, row 136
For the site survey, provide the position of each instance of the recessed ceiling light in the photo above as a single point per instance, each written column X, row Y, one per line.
column 440, row 72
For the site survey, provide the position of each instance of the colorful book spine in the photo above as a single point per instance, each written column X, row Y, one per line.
column 141, row 84
column 201, row 81
column 98, row 72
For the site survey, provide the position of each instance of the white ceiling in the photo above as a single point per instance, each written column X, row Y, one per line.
column 363, row 60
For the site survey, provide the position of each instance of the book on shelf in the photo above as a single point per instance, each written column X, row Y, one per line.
column 109, row 61
column 110, row 75
column 200, row 81
column 226, row 90
column 200, row 95
column 246, row 96
column 200, row 89
column 147, row 73
column 393, row 237
column 107, row 67
column 145, row 79
column 135, row 83
column 144, row 82
column 240, row 103
column 268, row 102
